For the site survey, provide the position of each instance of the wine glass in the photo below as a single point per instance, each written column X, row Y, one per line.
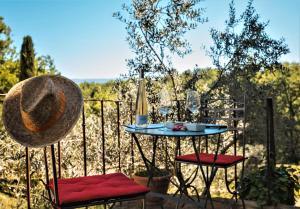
column 193, row 102
column 165, row 104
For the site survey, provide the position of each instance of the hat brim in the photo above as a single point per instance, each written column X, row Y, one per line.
column 13, row 123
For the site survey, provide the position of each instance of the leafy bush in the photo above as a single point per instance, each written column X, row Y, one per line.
column 284, row 186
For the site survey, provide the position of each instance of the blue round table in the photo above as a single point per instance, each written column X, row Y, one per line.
column 157, row 130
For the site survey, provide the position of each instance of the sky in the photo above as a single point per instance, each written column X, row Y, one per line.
column 86, row 42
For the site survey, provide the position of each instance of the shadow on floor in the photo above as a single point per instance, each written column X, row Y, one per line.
column 159, row 201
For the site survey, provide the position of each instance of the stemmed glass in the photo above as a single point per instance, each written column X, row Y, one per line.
column 193, row 102
column 165, row 104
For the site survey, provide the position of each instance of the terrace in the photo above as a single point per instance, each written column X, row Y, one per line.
column 99, row 144
column 233, row 136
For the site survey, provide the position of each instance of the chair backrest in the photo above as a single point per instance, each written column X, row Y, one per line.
column 52, row 197
column 228, row 112
column 56, row 165
column 56, row 153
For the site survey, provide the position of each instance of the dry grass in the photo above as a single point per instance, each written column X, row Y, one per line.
column 7, row 202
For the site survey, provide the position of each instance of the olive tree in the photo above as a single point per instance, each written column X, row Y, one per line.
column 156, row 32
column 243, row 48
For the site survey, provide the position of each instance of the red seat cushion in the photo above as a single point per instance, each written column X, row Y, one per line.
column 208, row 159
column 99, row 187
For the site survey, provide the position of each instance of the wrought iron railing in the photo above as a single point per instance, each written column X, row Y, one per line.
column 120, row 113
column 103, row 120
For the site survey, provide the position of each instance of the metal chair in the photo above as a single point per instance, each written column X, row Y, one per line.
column 232, row 114
column 106, row 189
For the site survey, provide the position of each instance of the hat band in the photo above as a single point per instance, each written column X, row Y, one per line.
column 33, row 127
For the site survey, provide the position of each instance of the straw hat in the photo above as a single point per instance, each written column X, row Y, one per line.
column 39, row 111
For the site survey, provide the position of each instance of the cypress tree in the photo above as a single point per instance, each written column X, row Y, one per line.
column 27, row 68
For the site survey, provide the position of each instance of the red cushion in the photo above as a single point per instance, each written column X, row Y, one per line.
column 99, row 187
column 208, row 159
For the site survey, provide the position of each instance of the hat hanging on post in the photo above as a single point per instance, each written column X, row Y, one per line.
column 40, row 111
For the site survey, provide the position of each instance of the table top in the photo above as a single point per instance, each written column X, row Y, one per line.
column 159, row 130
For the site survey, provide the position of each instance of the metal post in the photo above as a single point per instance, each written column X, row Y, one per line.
column 206, row 113
column 28, row 177
column 131, row 138
column 166, row 153
column 270, row 134
column 118, row 134
column 47, row 172
column 235, row 125
column 271, row 160
column 244, row 139
column 55, row 183
column 84, row 142
column 103, row 136
column 59, row 161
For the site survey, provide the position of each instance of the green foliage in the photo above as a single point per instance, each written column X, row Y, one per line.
column 8, row 75
column 7, row 201
column 283, row 84
column 27, row 67
column 247, row 50
column 98, row 91
column 5, row 40
column 156, row 31
column 241, row 50
column 8, row 68
column 199, row 79
column 12, row 157
column 284, row 186
column 45, row 65
column 9, row 71
column 12, row 69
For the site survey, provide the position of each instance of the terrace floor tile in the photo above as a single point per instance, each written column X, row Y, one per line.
column 156, row 201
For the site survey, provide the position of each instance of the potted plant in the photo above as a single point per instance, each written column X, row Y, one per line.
column 284, row 186
column 159, row 182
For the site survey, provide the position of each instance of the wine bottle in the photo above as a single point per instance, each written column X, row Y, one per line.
column 141, row 118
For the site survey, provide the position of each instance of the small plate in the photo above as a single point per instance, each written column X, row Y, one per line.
column 171, row 124
column 150, row 126
column 195, row 126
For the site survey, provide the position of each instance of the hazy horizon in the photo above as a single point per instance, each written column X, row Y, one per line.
column 92, row 80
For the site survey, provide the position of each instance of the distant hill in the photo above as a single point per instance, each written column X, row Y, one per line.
column 90, row 80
